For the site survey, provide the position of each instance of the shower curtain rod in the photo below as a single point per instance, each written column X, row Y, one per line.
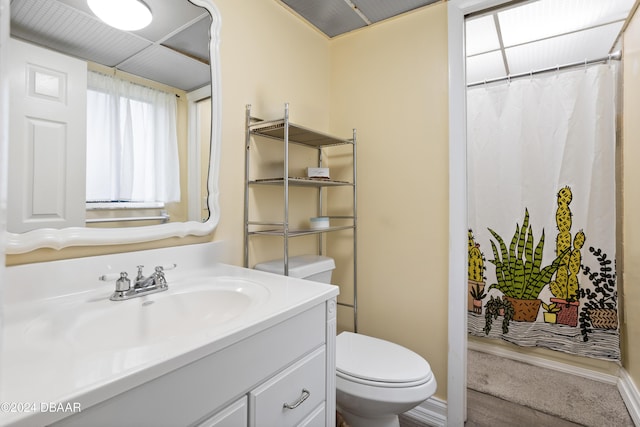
column 615, row 56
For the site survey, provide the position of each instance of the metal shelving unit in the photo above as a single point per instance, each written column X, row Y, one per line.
column 288, row 133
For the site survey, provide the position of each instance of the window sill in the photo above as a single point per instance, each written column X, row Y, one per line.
column 123, row 205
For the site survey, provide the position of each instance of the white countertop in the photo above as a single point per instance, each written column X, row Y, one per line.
column 38, row 376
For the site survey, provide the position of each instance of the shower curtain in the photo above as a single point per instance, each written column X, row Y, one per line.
column 541, row 179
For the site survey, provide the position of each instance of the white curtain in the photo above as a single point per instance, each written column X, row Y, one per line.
column 132, row 144
column 528, row 139
column 532, row 137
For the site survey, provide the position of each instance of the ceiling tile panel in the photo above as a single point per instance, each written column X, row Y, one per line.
column 481, row 35
column 167, row 16
column 379, row 10
column 548, row 18
column 542, row 34
column 575, row 47
column 192, row 75
column 60, row 28
column 332, row 17
column 190, row 41
column 485, row 67
column 69, row 26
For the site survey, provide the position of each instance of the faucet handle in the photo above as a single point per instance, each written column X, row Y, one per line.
column 123, row 284
column 159, row 274
column 166, row 267
column 110, row 277
column 122, row 280
column 140, row 275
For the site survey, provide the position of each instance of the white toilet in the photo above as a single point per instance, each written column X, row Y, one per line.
column 376, row 380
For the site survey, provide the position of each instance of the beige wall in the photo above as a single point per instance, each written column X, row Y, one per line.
column 390, row 82
column 630, row 245
column 268, row 57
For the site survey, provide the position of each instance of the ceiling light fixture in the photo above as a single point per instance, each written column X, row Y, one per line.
column 128, row 15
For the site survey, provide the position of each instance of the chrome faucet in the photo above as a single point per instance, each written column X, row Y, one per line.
column 156, row 279
column 156, row 282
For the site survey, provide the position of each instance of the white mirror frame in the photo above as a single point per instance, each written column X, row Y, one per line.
column 80, row 236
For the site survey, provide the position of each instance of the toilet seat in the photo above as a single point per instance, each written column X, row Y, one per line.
column 379, row 363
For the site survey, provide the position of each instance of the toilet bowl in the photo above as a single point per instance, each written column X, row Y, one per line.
column 377, row 380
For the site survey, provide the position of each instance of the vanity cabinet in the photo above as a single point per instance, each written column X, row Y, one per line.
column 282, row 376
column 282, row 131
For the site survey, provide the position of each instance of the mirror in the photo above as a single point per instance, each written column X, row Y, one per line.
column 189, row 17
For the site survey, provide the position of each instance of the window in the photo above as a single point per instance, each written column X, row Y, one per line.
column 132, row 143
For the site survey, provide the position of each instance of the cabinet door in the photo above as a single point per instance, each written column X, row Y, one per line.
column 315, row 419
column 289, row 397
column 234, row 415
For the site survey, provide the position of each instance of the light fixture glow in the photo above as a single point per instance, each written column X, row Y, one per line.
column 128, row 15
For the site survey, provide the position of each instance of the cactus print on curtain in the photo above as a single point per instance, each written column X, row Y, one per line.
column 541, row 171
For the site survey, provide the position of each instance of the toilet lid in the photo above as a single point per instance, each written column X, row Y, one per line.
column 371, row 359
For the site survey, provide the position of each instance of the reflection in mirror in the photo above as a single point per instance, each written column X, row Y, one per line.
column 83, row 98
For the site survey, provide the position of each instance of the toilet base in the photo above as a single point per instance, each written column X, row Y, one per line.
column 358, row 421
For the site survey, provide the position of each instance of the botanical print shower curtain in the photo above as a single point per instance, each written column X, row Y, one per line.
column 541, row 179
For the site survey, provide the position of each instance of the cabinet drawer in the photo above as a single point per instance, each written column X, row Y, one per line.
column 234, row 415
column 290, row 396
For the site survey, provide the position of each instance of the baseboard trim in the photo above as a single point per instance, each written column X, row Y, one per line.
column 431, row 412
column 630, row 395
column 544, row 363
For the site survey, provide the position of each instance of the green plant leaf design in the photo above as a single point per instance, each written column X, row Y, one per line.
column 518, row 269
column 541, row 279
column 528, row 254
column 476, row 293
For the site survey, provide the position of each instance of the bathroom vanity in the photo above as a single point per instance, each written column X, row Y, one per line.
column 224, row 346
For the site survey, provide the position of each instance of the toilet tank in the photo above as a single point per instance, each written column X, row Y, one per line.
column 311, row 267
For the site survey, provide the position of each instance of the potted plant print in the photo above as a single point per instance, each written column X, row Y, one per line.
column 477, row 294
column 599, row 311
column 565, row 286
column 497, row 307
column 551, row 312
column 475, row 271
column 519, row 274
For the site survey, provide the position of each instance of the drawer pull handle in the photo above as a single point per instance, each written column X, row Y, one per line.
column 304, row 396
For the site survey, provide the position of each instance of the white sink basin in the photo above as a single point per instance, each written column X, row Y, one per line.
column 189, row 306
